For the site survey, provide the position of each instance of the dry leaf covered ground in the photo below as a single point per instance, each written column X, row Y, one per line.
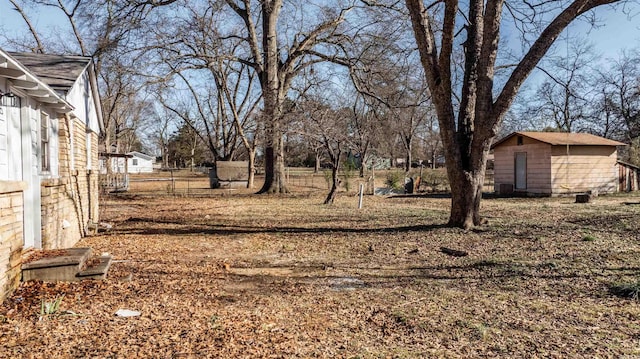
column 241, row 276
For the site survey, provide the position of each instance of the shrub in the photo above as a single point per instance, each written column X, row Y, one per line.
column 436, row 179
column 626, row 290
column 395, row 180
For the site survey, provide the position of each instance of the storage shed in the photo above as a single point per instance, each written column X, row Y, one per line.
column 555, row 163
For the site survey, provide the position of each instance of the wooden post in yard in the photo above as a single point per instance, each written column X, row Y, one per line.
column 360, row 196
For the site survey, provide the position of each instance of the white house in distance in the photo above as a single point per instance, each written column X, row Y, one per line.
column 140, row 162
column 50, row 118
column 137, row 162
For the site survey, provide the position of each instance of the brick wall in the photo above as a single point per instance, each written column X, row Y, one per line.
column 11, row 235
column 70, row 202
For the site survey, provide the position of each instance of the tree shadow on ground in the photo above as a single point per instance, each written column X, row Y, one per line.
column 221, row 229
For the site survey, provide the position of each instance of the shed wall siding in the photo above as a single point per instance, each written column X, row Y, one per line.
column 538, row 165
column 629, row 178
column 584, row 168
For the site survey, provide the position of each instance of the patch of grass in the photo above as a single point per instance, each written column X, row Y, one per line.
column 213, row 322
column 482, row 330
column 626, row 290
column 589, row 238
column 50, row 308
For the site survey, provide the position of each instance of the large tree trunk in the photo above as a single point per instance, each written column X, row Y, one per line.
column 274, row 180
column 274, row 171
column 407, row 142
column 466, row 191
column 252, row 167
column 408, row 160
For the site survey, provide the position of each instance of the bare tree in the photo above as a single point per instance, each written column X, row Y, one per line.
column 467, row 135
column 159, row 131
column 364, row 127
column 199, row 58
column 199, row 109
column 565, row 97
column 620, row 89
column 123, row 107
column 39, row 46
column 278, row 53
column 328, row 127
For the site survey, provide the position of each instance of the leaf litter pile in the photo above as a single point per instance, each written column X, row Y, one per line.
column 243, row 276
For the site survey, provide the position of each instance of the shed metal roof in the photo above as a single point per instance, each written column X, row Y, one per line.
column 564, row 138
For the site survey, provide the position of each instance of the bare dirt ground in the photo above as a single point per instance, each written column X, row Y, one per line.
column 235, row 275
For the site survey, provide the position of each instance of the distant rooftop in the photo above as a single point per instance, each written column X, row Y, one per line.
column 60, row 72
column 565, row 138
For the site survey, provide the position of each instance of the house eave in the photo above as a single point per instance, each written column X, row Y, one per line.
column 20, row 78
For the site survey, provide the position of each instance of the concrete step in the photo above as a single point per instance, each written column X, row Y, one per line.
column 97, row 270
column 71, row 264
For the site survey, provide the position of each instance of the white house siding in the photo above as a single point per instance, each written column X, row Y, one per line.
column 23, row 117
column 20, row 160
column 5, row 144
column 140, row 163
column 80, row 96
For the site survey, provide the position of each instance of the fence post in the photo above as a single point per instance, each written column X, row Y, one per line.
column 360, row 196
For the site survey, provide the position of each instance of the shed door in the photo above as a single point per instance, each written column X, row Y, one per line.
column 521, row 170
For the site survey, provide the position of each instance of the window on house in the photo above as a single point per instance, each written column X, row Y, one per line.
column 45, row 146
column 134, row 161
column 519, row 141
